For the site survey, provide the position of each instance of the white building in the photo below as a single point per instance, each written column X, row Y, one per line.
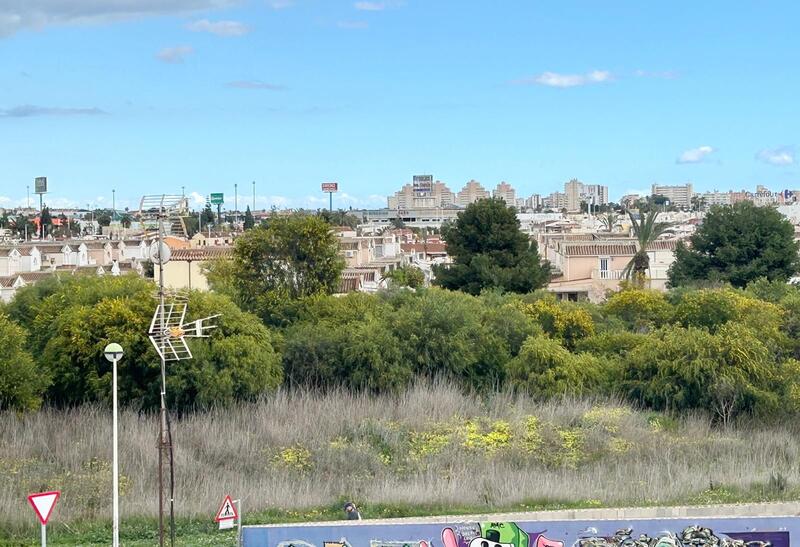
column 472, row 192
column 680, row 195
column 507, row 193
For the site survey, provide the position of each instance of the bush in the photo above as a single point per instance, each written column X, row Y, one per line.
column 545, row 368
column 641, row 310
column 21, row 384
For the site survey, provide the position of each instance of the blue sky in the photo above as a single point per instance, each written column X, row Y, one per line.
column 149, row 96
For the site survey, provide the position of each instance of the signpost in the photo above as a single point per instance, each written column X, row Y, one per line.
column 330, row 188
column 40, row 187
column 228, row 515
column 218, row 199
column 43, row 504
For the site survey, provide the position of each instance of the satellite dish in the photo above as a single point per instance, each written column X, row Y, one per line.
column 160, row 252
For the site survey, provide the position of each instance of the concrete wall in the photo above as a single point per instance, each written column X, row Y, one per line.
column 551, row 529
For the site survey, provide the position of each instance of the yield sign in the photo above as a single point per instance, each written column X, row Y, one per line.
column 227, row 511
column 43, row 504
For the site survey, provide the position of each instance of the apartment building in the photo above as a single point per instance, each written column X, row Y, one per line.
column 472, row 192
column 507, row 193
column 680, row 195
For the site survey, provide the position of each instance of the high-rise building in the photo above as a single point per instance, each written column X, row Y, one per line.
column 715, row 198
column 423, row 193
column 578, row 193
column 472, row 192
column 556, row 201
column 533, row 202
column 507, row 193
column 679, row 195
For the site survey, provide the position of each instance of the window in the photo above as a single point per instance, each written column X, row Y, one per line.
column 604, row 273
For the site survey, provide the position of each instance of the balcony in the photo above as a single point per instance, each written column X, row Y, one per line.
column 615, row 275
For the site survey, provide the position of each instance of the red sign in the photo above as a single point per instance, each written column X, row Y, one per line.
column 227, row 511
column 43, row 504
column 330, row 186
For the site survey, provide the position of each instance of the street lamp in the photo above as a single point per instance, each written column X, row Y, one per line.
column 113, row 353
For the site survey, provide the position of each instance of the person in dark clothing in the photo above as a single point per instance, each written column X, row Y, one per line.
column 351, row 511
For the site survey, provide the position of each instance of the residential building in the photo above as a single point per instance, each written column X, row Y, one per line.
column 588, row 266
column 715, row 198
column 185, row 268
column 472, row 192
column 680, row 195
column 422, row 195
column 578, row 193
column 556, row 201
column 507, row 193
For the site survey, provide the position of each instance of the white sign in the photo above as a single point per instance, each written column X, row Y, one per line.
column 227, row 511
column 226, row 524
column 43, row 504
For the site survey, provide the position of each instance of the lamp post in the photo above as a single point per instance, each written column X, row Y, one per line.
column 113, row 353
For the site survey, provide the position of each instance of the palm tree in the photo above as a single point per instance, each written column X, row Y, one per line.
column 609, row 220
column 646, row 230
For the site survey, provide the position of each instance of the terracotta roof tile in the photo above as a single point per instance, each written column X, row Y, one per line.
column 203, row 253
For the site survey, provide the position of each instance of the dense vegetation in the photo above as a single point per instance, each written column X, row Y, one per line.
column 296, row 455
column 722, row 350
column 738, row 245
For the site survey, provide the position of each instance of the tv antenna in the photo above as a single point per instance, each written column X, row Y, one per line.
column 168, row 330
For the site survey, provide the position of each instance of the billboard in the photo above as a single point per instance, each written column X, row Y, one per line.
column 40, row 185
column 423, row 184
column 330, row 186
column 217, row 199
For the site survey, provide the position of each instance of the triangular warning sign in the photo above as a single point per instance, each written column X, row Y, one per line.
column 43, row 504
column 227, row 511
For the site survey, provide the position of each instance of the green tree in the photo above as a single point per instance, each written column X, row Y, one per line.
column 46, row 221
column 646, row 230
column 738, row 245
column 291, row 258
column 406, row 276
column 339, row 218
column 72, row 319
column 727, row 373
column 609, row 220
column 489, row 251
column 249, row 221
column 443, row 336
column 545, row 368
column 641, row 310
column 21, row 382
column 207, row 216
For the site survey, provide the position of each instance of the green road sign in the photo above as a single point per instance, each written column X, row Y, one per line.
column 217, row 199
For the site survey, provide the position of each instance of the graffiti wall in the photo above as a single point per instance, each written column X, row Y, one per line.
column 678, row 532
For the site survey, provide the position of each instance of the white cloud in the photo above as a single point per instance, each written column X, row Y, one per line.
column 197, row 199
column 555, row 79
column 16, row 15
column 255, row 84
column 785, row 155
column 174, row 55
column 220, row 28
column 695, row 155
column 29, row 110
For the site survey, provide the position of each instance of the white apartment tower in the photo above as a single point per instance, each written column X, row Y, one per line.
column 578, row 192
column 507, row 193
column 472, row 192
column 680, row 195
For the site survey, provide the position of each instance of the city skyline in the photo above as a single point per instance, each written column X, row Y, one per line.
column 293, row 93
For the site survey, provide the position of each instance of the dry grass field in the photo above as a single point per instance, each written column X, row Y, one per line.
column 431, row 446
